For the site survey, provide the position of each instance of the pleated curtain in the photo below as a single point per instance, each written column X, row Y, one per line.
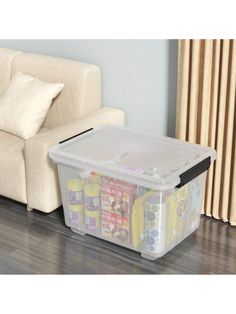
column 206, row 114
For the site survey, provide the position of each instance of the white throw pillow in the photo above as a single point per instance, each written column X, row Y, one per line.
column 25, row 104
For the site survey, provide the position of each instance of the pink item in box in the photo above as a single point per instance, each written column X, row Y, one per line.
column 116, row 202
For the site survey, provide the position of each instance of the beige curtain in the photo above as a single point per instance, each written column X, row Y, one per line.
column 206, row 114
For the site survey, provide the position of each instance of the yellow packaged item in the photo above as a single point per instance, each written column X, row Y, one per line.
column 75, row 200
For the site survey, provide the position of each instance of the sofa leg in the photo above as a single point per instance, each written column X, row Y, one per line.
column 29, row 209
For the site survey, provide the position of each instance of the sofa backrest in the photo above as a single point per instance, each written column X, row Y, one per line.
column 81, row 93
column 6, row 57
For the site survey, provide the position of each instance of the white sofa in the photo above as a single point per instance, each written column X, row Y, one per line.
column 27, row 174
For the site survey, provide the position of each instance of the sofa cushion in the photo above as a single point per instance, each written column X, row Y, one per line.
column 12, row 167
column 25, row 104
column 81, row 93
column 43, row 129
column 6, row 58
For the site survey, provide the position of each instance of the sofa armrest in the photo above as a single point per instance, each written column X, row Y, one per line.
column 43, row 191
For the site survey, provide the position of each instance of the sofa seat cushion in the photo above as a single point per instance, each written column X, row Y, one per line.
column 12, row 167
column 43, row 129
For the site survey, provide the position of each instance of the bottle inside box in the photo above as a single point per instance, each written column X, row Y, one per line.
column 136, row 217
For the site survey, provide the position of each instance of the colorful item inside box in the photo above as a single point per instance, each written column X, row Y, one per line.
column 137, row 216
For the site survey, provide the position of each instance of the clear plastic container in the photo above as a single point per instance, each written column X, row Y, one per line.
column 136, row 190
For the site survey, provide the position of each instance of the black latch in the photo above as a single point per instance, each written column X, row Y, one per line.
column 194, row 172
column 75, row 136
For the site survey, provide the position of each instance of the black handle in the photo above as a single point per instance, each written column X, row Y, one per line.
column 194, row 172
column 75, row 136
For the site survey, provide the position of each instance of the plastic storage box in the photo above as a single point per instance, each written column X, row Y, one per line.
column 136, row 190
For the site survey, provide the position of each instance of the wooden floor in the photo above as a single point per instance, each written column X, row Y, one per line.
column 34, row 243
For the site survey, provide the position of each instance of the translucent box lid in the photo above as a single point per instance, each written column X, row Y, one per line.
column 156, row 162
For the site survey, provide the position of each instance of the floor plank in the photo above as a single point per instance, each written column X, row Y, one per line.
column 36, row 243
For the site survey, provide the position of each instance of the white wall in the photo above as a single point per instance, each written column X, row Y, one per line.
column 139, row 76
